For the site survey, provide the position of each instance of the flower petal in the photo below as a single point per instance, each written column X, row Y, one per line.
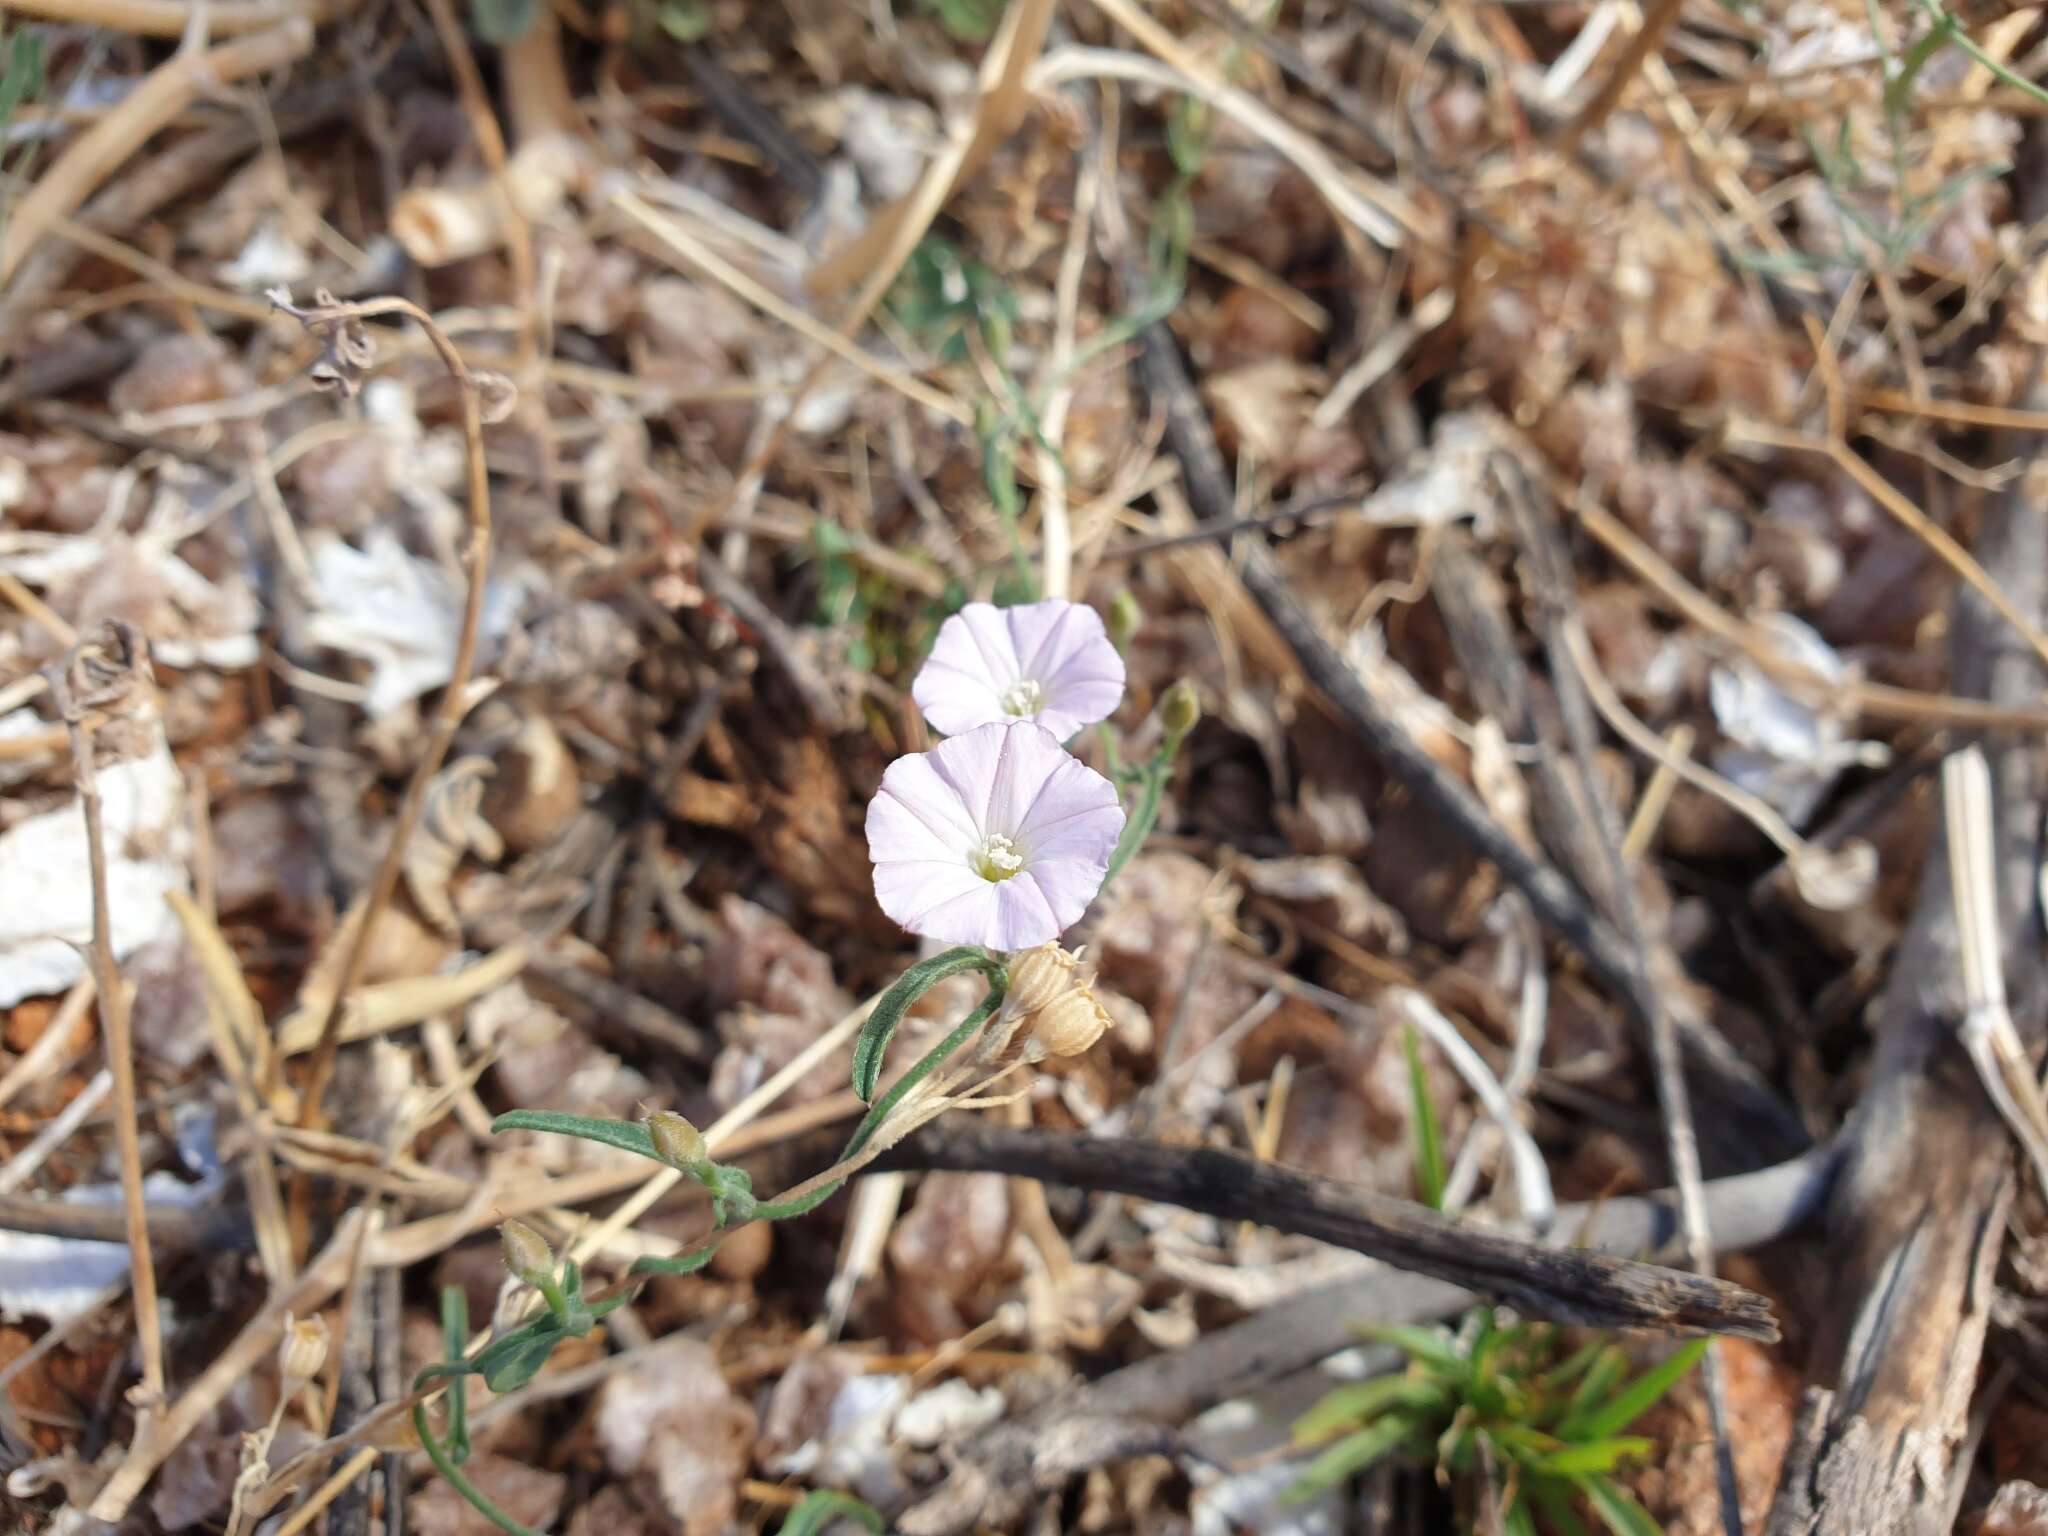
column 1067, row 651
column 973, row 660
column 914, row 891
column 919, row 814
column 982, row 651
column 970, row 918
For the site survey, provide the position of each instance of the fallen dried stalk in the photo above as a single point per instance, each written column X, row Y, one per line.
column 1910, row 517
column 172, row 18
column 1339, row 190
column 1003, row 98
column 171, row 87
column 693, row 254
column 1987, row 1029
column 1554, row 1281
column 1648, row 38
column 106, row 677
column 377, row 1010
column 1878, row 701
column 311, row 1291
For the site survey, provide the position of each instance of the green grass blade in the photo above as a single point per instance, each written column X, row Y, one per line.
column 1355, row 1406
column 1592, row 1456
column 1431, row 1346
column 1617, row 1509
column 1349, row 1457
column 1634, row 1400
column 1429, row 1142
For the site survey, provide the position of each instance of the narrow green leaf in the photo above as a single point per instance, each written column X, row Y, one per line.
column 525, row 1348
column 881, row 1026
column 682, row 1264
column 455, row 1340
column 1573, row 1366
column 1634, row 1400
column 1348, row 1457
column 817, row 1509
column 1432, row 1346
column 1555, row 1501
column 1593, row 1455
column 1617, row 1509
column 626, row 1135
column 1429, row 1145
column 962, row 1033
column 1518, row 1521
column 1354, row 1406
column 514, row 1368
column 1594, row 1386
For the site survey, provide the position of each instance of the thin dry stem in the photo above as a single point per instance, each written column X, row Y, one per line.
column 151, row 107
column 454, row 695
column 1910, row 517
column 171, row 18
column 119, row 1044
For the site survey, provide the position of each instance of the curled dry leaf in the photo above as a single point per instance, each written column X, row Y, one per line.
column 531, row 1495
column 672, row 1421
column 451, row 826
column 945, row 1246
column 534, row 790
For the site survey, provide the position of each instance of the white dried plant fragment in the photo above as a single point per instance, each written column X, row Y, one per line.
column 1782, row 749
column 45, row 899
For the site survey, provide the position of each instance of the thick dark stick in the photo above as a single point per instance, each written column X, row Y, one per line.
column 1550, row 564
column 1917, row 1221
column 1564, row 1284
column 999, row 1468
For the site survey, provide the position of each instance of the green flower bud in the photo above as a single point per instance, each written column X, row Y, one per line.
column 1180, row 710
column 676, row 1142
column 527, row 1253
column 1124, row 618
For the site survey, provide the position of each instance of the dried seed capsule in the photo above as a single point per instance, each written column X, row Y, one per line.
column 1039, row 975
column 1069, row 1025
column 301, row 1352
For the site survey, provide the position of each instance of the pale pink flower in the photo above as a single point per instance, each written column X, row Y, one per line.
column 1050, row 662
column 998, row 837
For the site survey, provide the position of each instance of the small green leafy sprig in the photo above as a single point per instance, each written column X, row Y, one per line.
column 1493, row 1400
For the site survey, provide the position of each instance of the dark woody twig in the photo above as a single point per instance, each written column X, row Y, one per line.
column 1556, row 902
column 1565, row 1284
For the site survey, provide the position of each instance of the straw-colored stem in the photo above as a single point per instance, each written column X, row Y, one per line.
column 119, row 1044
column 454, row 696
column 152, row 106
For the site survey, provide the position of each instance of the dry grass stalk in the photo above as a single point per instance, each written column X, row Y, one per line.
column 104, row 680
column 455, row 694
column 313, row 1289
column 173, row 18
column 676, row 240
column 1987, row 1028
column 172, row 87
column 1004, row 97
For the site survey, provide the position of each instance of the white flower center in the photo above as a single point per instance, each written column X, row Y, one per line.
column 1026, row 696
column 996, row 859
